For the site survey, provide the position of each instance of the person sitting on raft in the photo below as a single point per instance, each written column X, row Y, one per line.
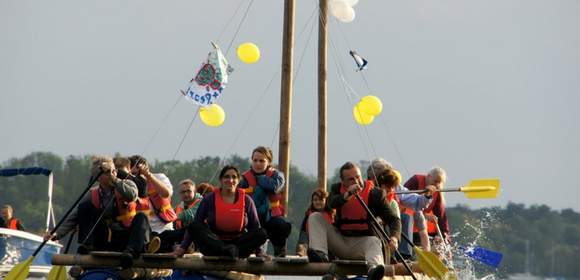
column 226, row 222
column 264, row 184
column 410, row 208
column 352, row 236
column 317, row 204
column 110, row 204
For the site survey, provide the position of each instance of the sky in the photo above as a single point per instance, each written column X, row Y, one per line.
column 480, row 88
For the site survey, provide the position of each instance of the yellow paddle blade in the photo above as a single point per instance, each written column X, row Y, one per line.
column 57, row 272
column 451, row 276
column 482, row 188
column 430, row 264
column 20, row 271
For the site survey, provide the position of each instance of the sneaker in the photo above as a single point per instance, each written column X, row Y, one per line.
column 376, row 272
column 153, row 245
column 316, row 256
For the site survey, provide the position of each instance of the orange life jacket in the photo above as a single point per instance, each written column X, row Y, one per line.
column 353, row 217
column 179, row 209
column 276, row 207
column 431, row 225
column 125, row 210
column 160, row 205
column 12, row 224
column 229, row 218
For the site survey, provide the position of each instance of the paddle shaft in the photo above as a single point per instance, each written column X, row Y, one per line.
column 99, row 219
column 382, row 232
column 424, row 191
column 91, row 182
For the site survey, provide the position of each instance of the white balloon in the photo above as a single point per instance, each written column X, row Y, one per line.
column 342, row 11
column 350, row 3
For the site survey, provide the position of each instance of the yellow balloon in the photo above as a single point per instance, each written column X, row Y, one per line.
column 360, row 117
column 212, row 115
column 248, row 53
column 371, row 105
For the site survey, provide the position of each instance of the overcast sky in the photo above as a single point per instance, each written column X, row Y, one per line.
column 481, row 88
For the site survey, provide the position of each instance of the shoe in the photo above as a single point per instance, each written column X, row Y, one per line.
column 154, row 245
column 280, row 252
column 316, row 256
column 376, row 272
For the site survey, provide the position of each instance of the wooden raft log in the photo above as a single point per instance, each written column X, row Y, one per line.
column 253, row 266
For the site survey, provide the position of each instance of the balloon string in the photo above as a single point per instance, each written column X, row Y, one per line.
column 186, row 132
column 348, row 89
column 254, row 109
column 150, row 141
column 239, row 27
column 230, row 21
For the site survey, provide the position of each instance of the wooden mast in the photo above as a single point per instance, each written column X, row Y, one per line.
column 322, row 92
column 286, row 95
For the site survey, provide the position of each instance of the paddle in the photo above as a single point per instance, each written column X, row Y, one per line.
column 21, row 270
column 382, row 232
column 475, row 189
column 58, row 272
column 483, row 255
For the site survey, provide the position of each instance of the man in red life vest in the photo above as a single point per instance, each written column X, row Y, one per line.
column 351, row 236
column 111, row 203
column 435, row 212
column 9, row 219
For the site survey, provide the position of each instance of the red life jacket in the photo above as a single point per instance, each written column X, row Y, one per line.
column 125, row 210
column 160, row 205
column 12, row 224
column 229, row 218
column 327, row 216
column 353, row 217
column 276, row 207
column 179, row 209
column 431, row 225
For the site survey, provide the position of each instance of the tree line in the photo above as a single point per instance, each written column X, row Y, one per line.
column 536, row 238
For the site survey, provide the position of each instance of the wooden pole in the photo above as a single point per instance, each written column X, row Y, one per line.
column 322, row 92
column 286, row 95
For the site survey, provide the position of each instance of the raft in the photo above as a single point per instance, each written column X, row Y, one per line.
column 104, row 265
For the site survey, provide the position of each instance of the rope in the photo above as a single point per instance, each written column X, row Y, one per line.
column 254, row 108
column 186, row 132
column 239, row 27
column 150, row 141
column 229, row 21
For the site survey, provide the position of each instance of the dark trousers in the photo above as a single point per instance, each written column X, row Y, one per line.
column 278, row 231
column 210, row 244
column 169, row 238
column 109, row 236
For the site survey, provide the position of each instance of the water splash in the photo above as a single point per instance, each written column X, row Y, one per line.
column 471, row 233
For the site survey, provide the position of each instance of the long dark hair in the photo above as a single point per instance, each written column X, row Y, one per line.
column 229, row 167
column 322, row 194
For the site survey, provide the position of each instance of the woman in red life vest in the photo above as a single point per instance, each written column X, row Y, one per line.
column 226, row 222
column 317, row 204
column 265, row 184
